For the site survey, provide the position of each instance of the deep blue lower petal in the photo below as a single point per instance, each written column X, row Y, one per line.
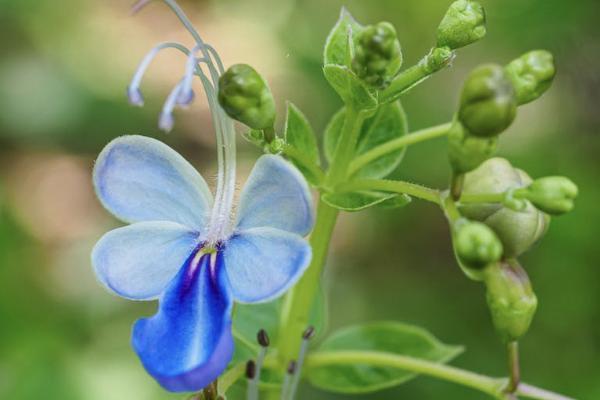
column 188, row 343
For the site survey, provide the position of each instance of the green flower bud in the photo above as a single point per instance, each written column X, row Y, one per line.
column 510, row 298
column 488, row 104
column 554, row 195
column 463, row 24
column 467, row 152
column 476, row 245
column 246, row 97
column 517, row 230
column 531, row 74
column 378, row 56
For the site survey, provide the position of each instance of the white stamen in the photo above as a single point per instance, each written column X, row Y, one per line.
column 166, row 120
column 133, row 90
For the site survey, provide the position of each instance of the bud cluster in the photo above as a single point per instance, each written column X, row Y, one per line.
column 378, row 55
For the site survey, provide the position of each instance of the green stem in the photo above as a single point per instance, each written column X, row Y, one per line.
column 397, row 144
column 386, row 185
column 299, row 301
column 231, row 376
column 532, row 392
column 492, row 386
column 346, row 146
column 513, row 367
column 450, row 209
column 495, row 387
column 412, row 76
column 482, row 198
column 457, row 182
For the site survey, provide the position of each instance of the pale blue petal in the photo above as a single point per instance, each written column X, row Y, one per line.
column 263, row 263
column 138, row 261
column 142, row 179
column 189, row 343
column 276, row 195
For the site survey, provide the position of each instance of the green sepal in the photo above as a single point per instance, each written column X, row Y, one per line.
column 336, row 49
column 356, row 201
column 393, row 338
column 388, row 123
column 352, row 90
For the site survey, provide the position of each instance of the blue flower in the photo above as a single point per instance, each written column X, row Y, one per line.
column 169, row 253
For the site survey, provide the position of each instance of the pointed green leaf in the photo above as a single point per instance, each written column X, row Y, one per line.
column 387, row 337
column 336, row 45
column 300, row 135
column 304, row 152
column 350, row 88
column 396, row 202
column 356, row 201
column 387, row 124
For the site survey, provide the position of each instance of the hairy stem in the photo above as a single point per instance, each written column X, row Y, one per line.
column 492, row 386
column 299, row 301
column 346, row 146
column 397, row 144
column 386, row 185
column 495, row 387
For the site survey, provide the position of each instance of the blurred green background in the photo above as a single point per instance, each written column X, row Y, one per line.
column 64, row 66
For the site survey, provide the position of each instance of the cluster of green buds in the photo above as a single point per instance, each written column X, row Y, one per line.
column 491, row 233
column 377, row 54
column 488, row 106
column 518, row 229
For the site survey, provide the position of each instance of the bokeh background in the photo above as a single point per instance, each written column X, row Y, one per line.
column 64, row 66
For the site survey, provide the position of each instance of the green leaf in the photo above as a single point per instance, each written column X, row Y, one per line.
column 389, row 337
column 396, row 202
column 350, row 88
column 304, row 152
column 300, row 135
column 356, row 201
column 387, row 124
column 336, row 46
